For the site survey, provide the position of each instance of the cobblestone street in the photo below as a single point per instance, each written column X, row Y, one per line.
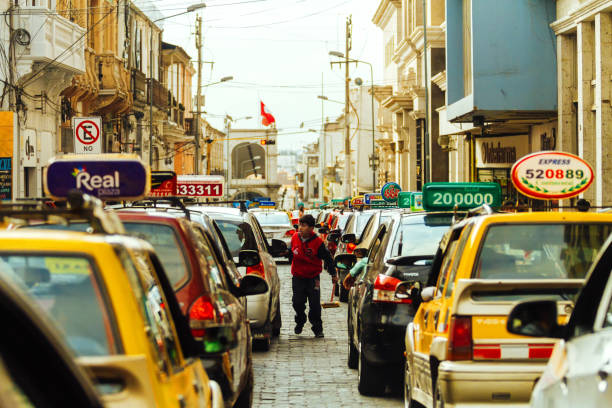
column 300, row 370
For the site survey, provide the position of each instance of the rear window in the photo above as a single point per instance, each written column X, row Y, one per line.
column 238, row 235
column 540, row 251
column 419, row 236
column 342, row 221
column 166, row 245
column 361, row 222
column 66, row 288
column 272, row 218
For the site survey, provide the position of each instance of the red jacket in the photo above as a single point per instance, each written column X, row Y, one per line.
column 306, row 262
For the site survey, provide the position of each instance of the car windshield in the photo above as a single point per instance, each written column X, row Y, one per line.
column 238, row 235
column 67, row 289
column 540, row 251
column 417, row 237
column 272, row 218
column 361, row 222
column 166, row 244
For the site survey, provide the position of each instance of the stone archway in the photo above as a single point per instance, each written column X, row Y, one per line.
column 248, row 161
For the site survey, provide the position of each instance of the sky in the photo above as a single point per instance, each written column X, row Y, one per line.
column 277, row 52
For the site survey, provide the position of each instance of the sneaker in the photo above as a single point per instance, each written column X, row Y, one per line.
column 298, row 328
column 319, row 335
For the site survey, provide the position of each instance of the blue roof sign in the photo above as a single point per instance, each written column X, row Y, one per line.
column 106, row 176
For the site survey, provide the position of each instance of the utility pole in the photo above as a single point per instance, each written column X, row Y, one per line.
column 347, row 126
column 196, row 162
column 321, row 143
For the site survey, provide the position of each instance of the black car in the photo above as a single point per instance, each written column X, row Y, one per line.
column 401, row 250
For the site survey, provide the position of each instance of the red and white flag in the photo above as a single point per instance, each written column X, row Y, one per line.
column 266, row 117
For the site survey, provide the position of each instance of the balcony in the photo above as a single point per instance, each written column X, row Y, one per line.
column 114, row 96
column 50, row 35
column 160, row 95
column 139, row 86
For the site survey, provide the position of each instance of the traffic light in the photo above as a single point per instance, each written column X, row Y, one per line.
column 267, row 142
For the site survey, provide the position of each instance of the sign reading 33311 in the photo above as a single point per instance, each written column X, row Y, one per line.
column 551, row 175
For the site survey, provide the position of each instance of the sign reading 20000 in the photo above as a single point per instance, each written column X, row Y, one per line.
column 463, row 196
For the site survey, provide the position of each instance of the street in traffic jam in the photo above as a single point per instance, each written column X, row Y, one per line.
column 290, row 203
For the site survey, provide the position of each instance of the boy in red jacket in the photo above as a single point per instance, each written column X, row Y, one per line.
column 307, row 255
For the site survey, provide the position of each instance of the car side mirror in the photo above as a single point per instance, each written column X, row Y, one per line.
column 248, row 257
column 428, row 293
column 345, row 261
column 333, row 237
column 219, row 339
column 278, row 247
column 323, row 230
column 252, row 285
column 535, row 318
column 407, row 290
column 348, row 238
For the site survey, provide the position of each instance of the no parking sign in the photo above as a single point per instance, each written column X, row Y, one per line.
column 87, row 135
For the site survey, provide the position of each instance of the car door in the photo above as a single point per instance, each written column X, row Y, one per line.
column 180, row 379
column 269, row 265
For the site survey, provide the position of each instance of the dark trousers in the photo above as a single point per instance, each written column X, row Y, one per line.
column 307, row 289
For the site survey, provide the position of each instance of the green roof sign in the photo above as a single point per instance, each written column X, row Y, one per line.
column 410, row 199
column 463, row 196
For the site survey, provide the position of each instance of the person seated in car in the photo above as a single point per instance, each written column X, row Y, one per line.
column 362, row 261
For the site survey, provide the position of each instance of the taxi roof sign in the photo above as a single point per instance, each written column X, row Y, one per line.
column 106, row 176
column 410, row 199
column 463, row 196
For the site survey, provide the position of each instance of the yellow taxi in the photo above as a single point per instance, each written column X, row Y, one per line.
column 105, row 295
column 458, row 350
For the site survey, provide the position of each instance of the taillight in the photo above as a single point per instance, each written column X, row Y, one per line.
column 202, row 311
column 290, row 233
column 384, row 290
column 350, row 248
column 257, row 270
column 512, row 351
column 460, row 339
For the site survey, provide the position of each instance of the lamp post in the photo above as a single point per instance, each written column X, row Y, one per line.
column 189, row 9
column 228, row 174
column 340, row 55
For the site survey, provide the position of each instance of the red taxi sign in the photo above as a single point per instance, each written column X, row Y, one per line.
column 199, row 186
column 551, row 175
column 163, row 184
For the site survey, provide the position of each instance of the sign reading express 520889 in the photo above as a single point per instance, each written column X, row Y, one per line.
column 551, row 175
column 447, row 196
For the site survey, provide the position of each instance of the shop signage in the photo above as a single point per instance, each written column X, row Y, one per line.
column 163, row 184
column 199, row 186
column 500, row 151
column 463, row 196
column 107, row 176
column 551, row 175
column 8, row 134
column 390, row 191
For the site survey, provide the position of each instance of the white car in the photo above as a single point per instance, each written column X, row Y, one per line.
column 275, row 225
column 579, row 372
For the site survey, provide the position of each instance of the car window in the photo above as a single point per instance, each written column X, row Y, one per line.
column 539, row 251
column 150, row 300
column 238, row 235
column 361, row 221
column 465, row 236
column 259, row 234
column 167, row 246
column 68, row 289
column 414, row 237
column 215, row 273
column 342, row 221
column 269, row 218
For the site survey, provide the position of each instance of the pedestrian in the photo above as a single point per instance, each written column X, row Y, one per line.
column 308, row 255
column 300, row 210
column 357, row 269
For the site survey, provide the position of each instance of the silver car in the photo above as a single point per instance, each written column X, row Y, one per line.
column 579, row 371
column 275, row 225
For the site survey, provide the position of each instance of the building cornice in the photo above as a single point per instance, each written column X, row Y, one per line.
column 440, row 80
column 383, row 12
column 436, row 37
column 396, row 103
column 585, row 13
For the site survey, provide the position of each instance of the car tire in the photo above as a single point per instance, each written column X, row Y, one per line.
column 278, row 322
column 263, row 344
column 353, row 356
column 245, row 399
column 408, row 401
column 370, row 377
column 343, row 294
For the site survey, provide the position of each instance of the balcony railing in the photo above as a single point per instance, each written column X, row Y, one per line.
column 139, row 86
column 160, row 95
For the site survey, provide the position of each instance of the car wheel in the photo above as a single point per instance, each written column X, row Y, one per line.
column 263, row 343
column 370, row 377
column 408, row 401
column 438, row 399
column 277, row 323
column 245, row 399
column 343, row 294
column 353, row 355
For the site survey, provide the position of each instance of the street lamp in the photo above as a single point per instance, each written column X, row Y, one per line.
column 189, row 9
column 341, row 55
column 325, row 98
column 224, row 79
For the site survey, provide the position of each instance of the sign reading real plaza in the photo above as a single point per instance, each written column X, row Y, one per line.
column 500, row 151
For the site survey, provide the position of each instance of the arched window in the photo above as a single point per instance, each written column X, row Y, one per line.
column 248, row 161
